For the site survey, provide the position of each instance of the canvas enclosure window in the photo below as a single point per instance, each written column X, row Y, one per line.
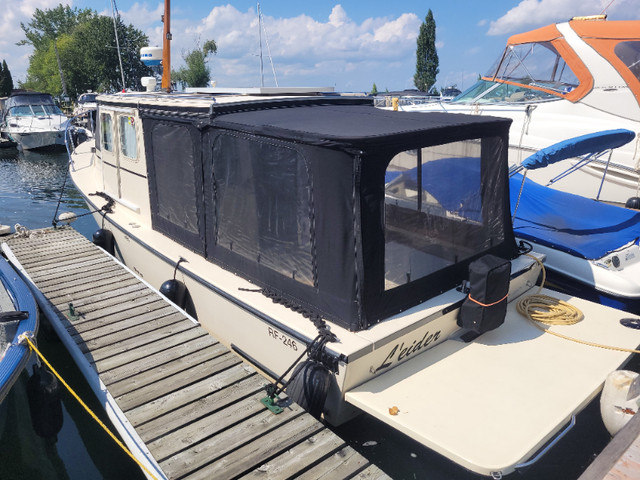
column 175, row 182
column 263, row 204
column 433, row 216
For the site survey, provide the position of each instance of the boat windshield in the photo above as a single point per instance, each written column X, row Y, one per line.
column 34, row 110
column 629, row 53
column 530, row 72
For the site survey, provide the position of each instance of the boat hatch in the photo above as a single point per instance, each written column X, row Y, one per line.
column 474, row 403
column 336, row 208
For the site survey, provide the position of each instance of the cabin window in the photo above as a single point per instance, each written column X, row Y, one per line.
column 107, row 132
column 128, row 142
column 629, row 53
column 263, row 204
column 433, row 214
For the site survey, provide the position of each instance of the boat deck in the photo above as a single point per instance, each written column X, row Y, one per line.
column 185, row 405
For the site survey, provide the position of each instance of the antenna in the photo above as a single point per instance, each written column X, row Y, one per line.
column 260, row 36
column 115, row 27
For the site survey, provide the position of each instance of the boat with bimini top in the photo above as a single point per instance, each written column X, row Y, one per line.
column 269, row 216
column 562, row 81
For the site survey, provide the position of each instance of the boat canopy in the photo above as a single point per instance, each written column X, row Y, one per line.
column 294, row 196
column 541, row 65
column 592, row 229
column 29, row 98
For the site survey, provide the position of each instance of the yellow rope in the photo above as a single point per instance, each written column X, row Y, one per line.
column 26, row 337
column 545, row 310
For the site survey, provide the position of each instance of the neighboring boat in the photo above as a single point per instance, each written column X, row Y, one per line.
column 268, row 216
column 587, row 243
column 33, row 120
column 18, row 315
column 562, row 81
column 86, row 109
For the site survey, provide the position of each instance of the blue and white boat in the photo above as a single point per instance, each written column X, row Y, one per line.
column 592, row 247
column 18, row 315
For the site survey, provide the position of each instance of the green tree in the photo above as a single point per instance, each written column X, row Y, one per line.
column 47, row 26
column 426, row 55
column 196, row 72
column 374, row 89
column 90, row 58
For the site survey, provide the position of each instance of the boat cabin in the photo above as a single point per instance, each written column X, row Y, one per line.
column 333, row 207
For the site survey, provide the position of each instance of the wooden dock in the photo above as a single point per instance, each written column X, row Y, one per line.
column 620, row 460
column 186, row 406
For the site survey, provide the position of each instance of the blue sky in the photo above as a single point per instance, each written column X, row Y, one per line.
column 345, row 44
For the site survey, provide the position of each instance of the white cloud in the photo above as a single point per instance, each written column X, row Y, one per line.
column 11, row 14
column 533, row 13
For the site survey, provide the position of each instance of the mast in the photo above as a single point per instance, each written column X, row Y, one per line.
column 115, row 28
column 166, row 48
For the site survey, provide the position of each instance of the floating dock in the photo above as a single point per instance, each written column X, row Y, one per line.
column 185, row 405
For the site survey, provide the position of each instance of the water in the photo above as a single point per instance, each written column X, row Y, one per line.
column 30, row 186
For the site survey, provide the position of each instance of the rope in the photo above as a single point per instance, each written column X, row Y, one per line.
column 543, row 310
column 487, row 304
column 27, row 337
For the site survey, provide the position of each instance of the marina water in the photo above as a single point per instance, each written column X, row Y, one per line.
column 30, row 186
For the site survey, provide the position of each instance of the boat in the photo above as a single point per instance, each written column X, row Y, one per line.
column 562, row 81
column 269, row 216
column 591, row 247
column 34, row 121
column 85, row 109
column 18, row 316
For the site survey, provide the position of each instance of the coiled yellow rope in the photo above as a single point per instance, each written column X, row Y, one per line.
column 27, row 338
column 545, row 310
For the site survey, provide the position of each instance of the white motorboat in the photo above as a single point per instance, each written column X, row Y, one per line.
column 562, row 81
column 33, row 120
column 591, row 247
column 85, row 109
column 269, row 218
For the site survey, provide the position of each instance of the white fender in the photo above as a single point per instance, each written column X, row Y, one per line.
column 620, row 399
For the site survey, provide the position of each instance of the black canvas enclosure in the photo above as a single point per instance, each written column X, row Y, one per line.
column 486, row 306
column 333, row 207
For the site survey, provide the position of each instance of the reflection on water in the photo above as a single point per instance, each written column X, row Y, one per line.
column 30, row 184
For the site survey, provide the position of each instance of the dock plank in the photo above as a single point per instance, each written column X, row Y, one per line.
column 194, row 403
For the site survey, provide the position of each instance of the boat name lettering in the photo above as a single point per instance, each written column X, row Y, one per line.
column 400, row 352
column 275, row 334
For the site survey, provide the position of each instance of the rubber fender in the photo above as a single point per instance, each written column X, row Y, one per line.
column 104, row 239
column 633, row 203
column 45, row 405
column 176, row 291
column 309, row 386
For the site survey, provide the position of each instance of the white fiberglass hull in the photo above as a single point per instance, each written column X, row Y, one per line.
column 35, row 133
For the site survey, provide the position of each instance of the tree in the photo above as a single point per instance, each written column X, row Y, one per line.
column 374, row 89
column 196, row 73
column 6, row 82
column 426, row 55
column 90, row 58
column 47, row 26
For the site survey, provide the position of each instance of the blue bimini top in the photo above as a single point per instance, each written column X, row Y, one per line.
column 570, row 223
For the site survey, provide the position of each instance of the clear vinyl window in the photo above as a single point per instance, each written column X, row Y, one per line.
column 629, row 53
column 433, row 216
